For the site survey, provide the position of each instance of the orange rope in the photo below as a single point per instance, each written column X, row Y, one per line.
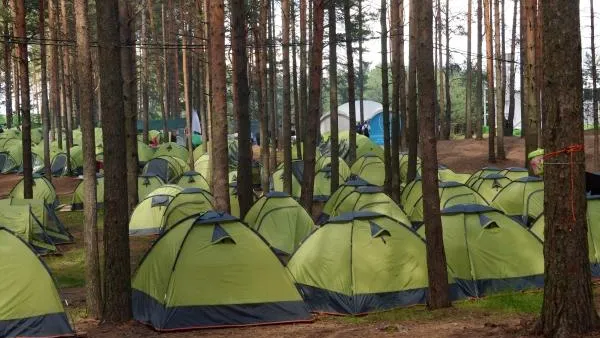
column 571, row 150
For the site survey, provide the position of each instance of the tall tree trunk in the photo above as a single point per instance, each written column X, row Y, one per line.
column 312, row 117
column 503, row 59
column 351, row 80
column 530, row 90
column 441, row 102
column 286, row 122
column 333, row 100
column 117, row 284
column 273, row 126
column 17, row 96
column 300, row 129
column 448, row 98
column 594, row 94
column 21, row 35
column 8, row 71
column 438, row 296
column 128, row 71
column 145, row 75
column 66, row 84
column 411, row 100
column 188, row 104
column 263, row 103
column 218, row 143
column 361, row 73
column 479, row 77
column 172, row 61
column 241, row 104
column 539, row 83
column 512, row 74
column 93, row 295
column 44, row 81
column 387, row 155
column 469, row 89
column 498, row 90
column 397, row 89
column 523, row 58
column 165, row 78
column 402, row 94
column 568, row 307
column 297, row 119
column 490, row 80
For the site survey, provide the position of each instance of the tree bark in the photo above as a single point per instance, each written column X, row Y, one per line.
column 21, row 35
column 351, row 80
column 241, row 105
column 300, row 130
column 188, row 104
column 273, row 125
column 286, row 120
column 361, row 73
column 66, row 84
column 93, row 296
column 568, row 306
column 413, row 128
column 263, row 94
column 479, row 77
column 442, row 130
column 469, row 89
column 438, row 296
column 312, row 117
column 297, row 118
column 512, row 74
column 397, row 6
column 129, row 72
column 45, row 112
column 333, row 100
column 387, row 155
column 117, row 285
column 530, row 90
column 53, row 26
column 166, row 107
column 594, row 94
column 448, row 98
column 219, row 153
column 8, row 71
column 145, row 74
column 490, row 80
column 499, row 80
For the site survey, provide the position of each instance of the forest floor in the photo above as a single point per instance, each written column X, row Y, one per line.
column 508, row 315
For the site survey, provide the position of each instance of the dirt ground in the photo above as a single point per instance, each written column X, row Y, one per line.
column 465, row 156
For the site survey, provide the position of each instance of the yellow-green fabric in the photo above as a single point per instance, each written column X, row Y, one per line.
column 202, row 166
column 78, row 195
column 337, row 196
column 188, row 202
column 447, row 175
column 277, row 182
column 348, row 258
column 174, row 168
column 404, row 167
column 322, row 184
column 192, row 179
column 281, row 221
column 199, row 151
column 486, row 245
column 451, row 193
column 489, row 186
column 514, row 173
column 26, row 287
column 145, row 152
column 521, row 198
column 370, row 168
column 369, row 199
column 20, row 220
column 147, row 217
column 325, row 161
column 482, row 173
column 172, row 149
column 147, row 184
column 186, row 267
column 42, row 190
column 40, row 212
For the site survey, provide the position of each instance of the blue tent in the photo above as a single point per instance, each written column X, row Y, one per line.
column 376, row 128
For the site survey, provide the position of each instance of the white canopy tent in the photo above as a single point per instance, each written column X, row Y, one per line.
column 370, row 109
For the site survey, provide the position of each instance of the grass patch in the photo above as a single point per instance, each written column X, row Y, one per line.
column 68, row 269
column 509, row 303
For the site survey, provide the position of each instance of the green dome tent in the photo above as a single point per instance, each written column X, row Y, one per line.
column 370, row 198
column 172, row 149
column 166, row 206
column 199, row 151
column 280, row 220
column 364, row 145
column 325, row 161
column 234, row 203
column 482, row 173
column 322, row 183
column 404, row 167
column 192, row 179
column 445, row 174
column 21, row 220
column 359, row 263
column 213, row 271
column 78, row 195
column 11, row 158
column 145, row 152
column 490, row 185
column 42, row 190
column 166, row 167
column 593, row 233
column 202, row 166
column 297, row 177
column 514, row 173
column 488, row 252
column 522, row 199
column 147, row 184
column 46, row 217
column 30, row 305
column 451, row 193
column 370, row 168
column 343, row 190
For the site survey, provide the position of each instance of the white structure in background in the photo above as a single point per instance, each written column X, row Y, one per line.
column 371, row 108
